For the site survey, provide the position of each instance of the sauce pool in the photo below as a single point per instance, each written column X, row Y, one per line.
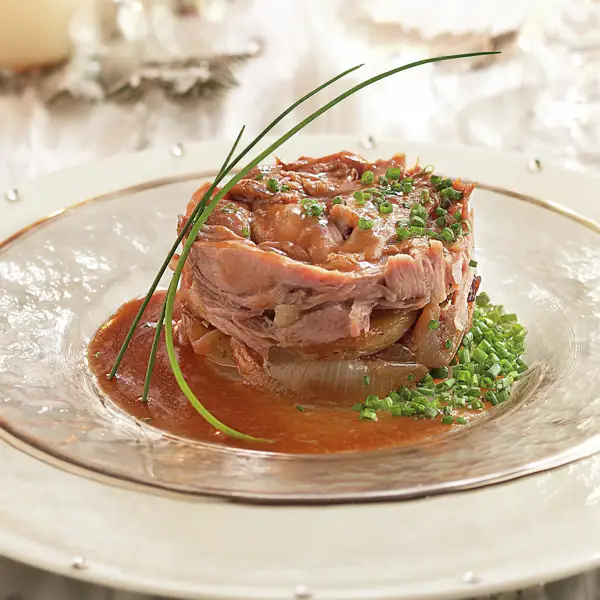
column 325, row 428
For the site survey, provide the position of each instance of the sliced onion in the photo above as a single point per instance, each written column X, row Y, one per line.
column 347, row 380
column 431, row 346
column 215, row 346
column 387, row 327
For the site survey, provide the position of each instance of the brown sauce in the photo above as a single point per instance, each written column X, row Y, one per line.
column 326, row 428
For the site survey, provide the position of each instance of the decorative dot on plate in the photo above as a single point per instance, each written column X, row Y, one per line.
column 470, row 577
column 302, row 592
column 12, row 195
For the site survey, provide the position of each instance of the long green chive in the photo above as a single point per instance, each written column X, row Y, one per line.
column 161, row 319
column 225, row 169
column 205, row 208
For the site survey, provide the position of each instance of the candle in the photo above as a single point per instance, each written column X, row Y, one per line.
column 34, row 33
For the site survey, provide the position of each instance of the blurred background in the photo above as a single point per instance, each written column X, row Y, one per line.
column 84, row 79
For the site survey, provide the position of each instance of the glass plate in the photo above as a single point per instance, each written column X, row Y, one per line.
column 62, row 277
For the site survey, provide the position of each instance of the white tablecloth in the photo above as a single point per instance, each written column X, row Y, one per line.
column 306, row 43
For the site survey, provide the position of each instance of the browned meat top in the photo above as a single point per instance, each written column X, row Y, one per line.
column 341, row 211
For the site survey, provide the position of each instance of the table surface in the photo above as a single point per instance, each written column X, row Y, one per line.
column 302, row 48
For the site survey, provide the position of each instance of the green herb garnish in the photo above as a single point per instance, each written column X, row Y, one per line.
column 368, row 177
column 488, row 363
column 365, row 224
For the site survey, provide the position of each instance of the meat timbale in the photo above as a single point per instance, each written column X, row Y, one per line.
column 333, row 258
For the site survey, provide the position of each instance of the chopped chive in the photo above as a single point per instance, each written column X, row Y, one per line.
column 424, row 196
column 245, row 232
column 479, row 355
column 447, row 234
column 285, row 188
column 371, row 401
column 359, row 196
column 337, row 200
column 386, row 208
column 365, row 223
column 473, row 263
column 448, row 344
column 483, row 299
column 433, row 324
column 369, row 414
column 444, row 184
column 314, row 210
column 366, row 380
column 368, row 177
column 417, row 222
column 392, row 173
column 417, row 231
column 503, row 396
column 461, row 421
column 407, row 188
column 447, row 420
column 259, row 176
column 300, row 408
column 383, row 182
column 272, row 185
column 357, row 406
column 439, row 372
column 402, row 234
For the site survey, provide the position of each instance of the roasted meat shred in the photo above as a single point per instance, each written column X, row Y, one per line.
column 270, row 272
